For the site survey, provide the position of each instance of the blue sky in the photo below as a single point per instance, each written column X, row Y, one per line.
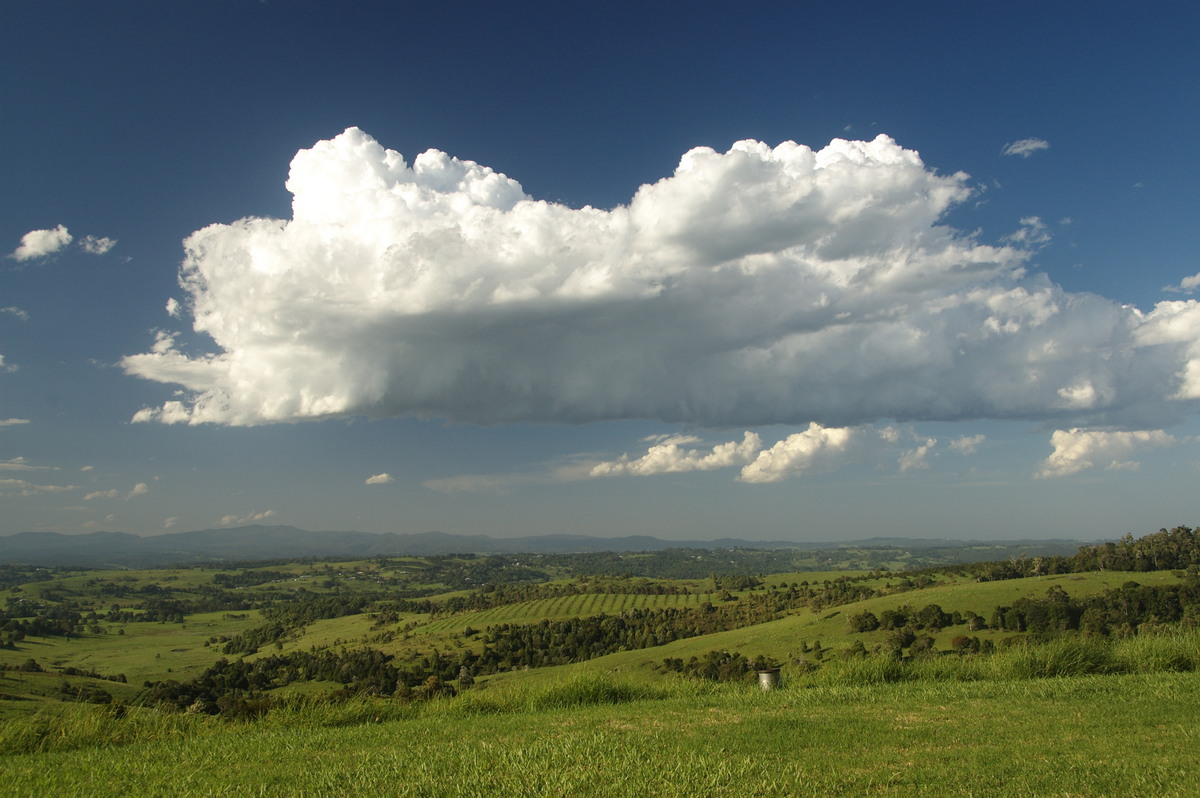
column 943, row 286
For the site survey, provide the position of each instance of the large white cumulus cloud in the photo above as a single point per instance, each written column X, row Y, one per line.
column 761, row 285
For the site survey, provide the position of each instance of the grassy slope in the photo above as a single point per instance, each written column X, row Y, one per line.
column 1131, row 735
column 541, row 732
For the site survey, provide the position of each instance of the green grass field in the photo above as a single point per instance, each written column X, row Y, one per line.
column 1094, row 735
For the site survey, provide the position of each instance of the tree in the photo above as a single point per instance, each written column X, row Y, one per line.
column 864, row 622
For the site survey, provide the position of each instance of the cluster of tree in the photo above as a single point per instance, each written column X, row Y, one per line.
column 842, row 590
column 1165, row 550
column 931, row 617
column 718, row 666
column 72, row 671
column 238, row 688
column 16, row 575
column 445, row 572
column 251, row 640
column 84, row 692
column 23, row 618
column 1124, row 610
column 238, row 579
column 734, row 581
column 962, row 644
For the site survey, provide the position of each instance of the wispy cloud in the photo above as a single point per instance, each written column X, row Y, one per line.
column 1025, row 147
column 967, row 444
column 102, row 494
column 21, row 487
column 569, row 469
column 248, row 518
column 1032, row 233
column 20, row 463
column 380, row 479
column 97, row 245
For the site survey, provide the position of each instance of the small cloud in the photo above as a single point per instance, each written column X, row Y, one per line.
column 6, row 368
column 13, row 422
column 1078, row 449
column 918, row 458
column 571, row 469
column 40, row 243
column 479, row 483
column 965, row 445
column 1187, row 285
column 21, row 464
column 173, row 307
column 137, row 490
column 1025, row 147
column 163, row 341
column 87, row 468
column 97, row 245
column 21, row 487
column 1031, row 233
column 380, row 479
column 669, row 456
column 168, row 523
column 249, row 518
column 101, row 494
column 817, row 448
column 12, row 310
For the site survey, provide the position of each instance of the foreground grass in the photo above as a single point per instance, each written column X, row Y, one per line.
column 1089, row 735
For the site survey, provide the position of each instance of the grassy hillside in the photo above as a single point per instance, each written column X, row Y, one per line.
column 1097, row 735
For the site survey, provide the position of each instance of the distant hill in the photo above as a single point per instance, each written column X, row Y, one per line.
column 250, row 543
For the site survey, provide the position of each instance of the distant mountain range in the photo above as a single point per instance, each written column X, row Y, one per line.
column 251, row 543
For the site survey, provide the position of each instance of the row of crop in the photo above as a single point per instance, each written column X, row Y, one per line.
column 570, row 606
